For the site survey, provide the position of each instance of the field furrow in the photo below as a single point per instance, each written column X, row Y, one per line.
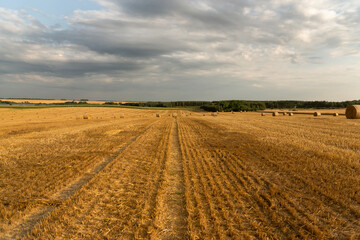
column 232, row 205
column 24, row 226
column 293, row 204
column 184, row 176
column 171, row 215
column 120, row 202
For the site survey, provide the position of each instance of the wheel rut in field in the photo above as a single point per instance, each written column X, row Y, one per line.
column 81, row 181
column 171, row 214
column 31, row 220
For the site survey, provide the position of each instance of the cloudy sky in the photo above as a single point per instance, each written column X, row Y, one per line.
column 180, row 49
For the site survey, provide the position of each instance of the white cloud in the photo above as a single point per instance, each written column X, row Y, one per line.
column 260, row 44
column 256, row 85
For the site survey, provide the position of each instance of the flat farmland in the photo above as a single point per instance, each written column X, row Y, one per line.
column 193, row 176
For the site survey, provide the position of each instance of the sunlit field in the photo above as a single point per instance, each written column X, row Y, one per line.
column 128, row 174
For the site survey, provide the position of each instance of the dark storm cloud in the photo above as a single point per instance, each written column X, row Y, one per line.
column 76, row 69
column 151, row 8
column 69, row 69
column 7, row 67
column 213, row 16
column 107, row 42
column 207, row 14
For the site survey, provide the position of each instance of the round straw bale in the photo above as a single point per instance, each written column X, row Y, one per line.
column 335, row 114
column 122, row 115
column 262, row 114
column 290, row 114
column 174, row 114
column 214, row 114
column 275, row 114
column 316, row 114
column 86, row 116
column 353, row 112
column 284, row 113
column 158, row 115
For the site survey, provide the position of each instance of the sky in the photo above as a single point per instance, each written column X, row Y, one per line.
column 169, row 50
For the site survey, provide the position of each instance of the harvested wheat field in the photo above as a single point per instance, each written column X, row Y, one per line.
column 181, row 176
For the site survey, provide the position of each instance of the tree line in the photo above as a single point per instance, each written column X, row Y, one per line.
column 168, row 104
column 228, row 105
column 244, row 105
column 236, row 105
column 310, row 104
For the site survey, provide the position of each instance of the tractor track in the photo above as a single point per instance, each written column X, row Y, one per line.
column 28, row 222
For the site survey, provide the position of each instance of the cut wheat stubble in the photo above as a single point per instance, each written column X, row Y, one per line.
column 29, row 222
column 171, row 214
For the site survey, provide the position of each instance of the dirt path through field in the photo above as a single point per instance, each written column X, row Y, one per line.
column 171, row 212
column 22, row 228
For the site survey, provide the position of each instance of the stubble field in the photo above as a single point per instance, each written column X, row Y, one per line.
column 233, row 176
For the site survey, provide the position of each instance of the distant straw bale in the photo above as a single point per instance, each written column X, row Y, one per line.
column 86, row 116
column 275, row 114
column 290, row 114
column 353, row 112
column 214, row 114
column 317, row 114
column 122, row 115
column 284, row 113
column 158, row 115
column 262, row 114
column 174, row 114
column 336, row 114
